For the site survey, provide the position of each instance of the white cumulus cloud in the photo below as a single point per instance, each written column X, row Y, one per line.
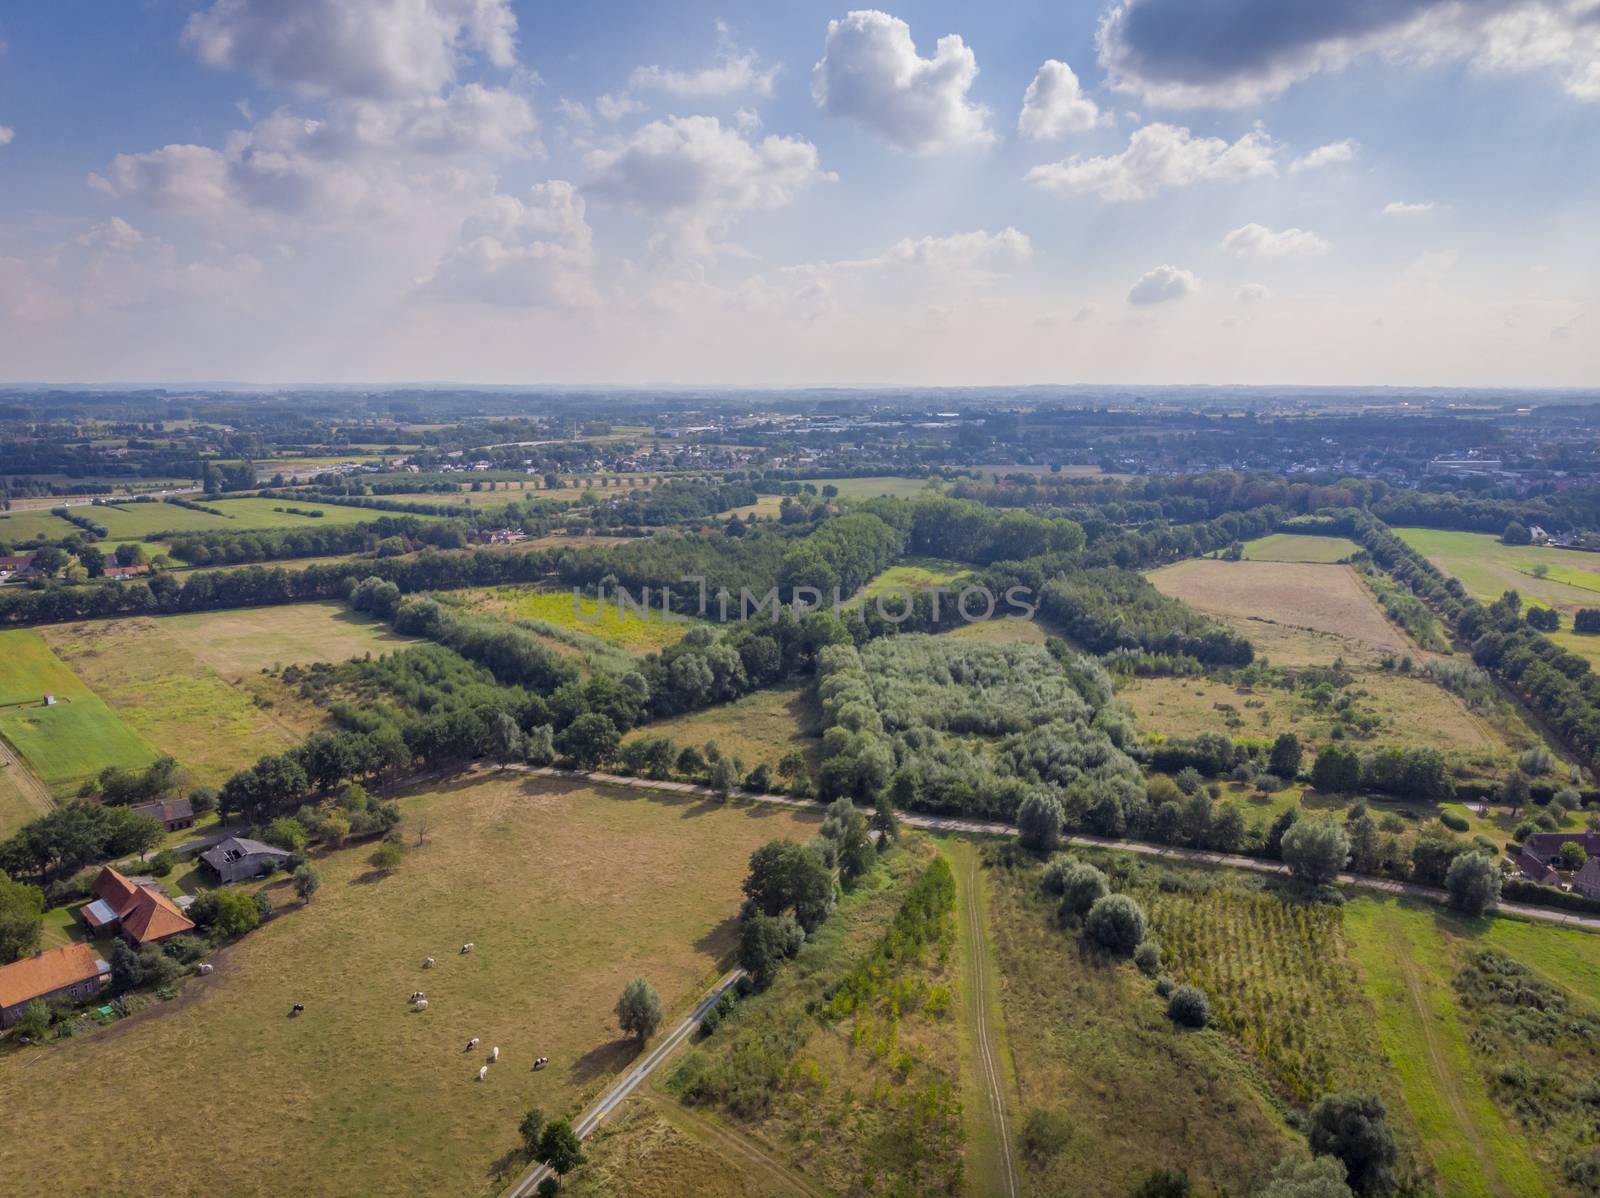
column 1162, row 285
column 1159, row 156
column 870, row 72
column 1054, row 104
column 1258, row 241
column 356, row 48
column 1331, row 154
column 535, row 252
column 735, row 71
column 697, row 176
column 7, row 133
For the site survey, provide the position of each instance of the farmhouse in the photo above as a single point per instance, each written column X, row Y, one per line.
column 238, row 857
column 71, row 971
column 173, row 813
column 141, row 913
column 20, row 566
column 1541, row 857
column 126, row 571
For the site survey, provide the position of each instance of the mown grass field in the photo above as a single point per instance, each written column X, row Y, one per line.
column 132, row 521
column 1488, row 569
column 19, row 526
column 1295, row 613
column 1002, row 631
column 871, row 488
column 192, row 686
column 567, row 894
column 762, row 726
column 1298, row 547
column 912, row 575
column 1409, row 955
column 74, row 739
column 631, row 631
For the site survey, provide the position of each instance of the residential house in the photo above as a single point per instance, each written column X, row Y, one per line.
column 1587, row 880
column 238, row 858
column 71, row 971
column 1540, row 857
column 139, row 912
column 126, row 571
column 18, row 566
column 173, row 813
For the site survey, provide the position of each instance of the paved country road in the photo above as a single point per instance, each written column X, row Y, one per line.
column 975, row 827
column 630, row 1081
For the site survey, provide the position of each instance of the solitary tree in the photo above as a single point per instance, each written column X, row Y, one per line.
column 1473, row 881
column 387, row 857
column 1572, row 855
column 306, row 881
column 1082, row 886
column 1285, row 757
column 1039, row 823
column 884, row 820
column 1354, row 1128
column 1116, row 923
column 1189, row 1007
column 639, row 1009
column 590, row 739
column 507, row 739
column 724, row 776
column 559, row 1147
column 531, row 1126
column 1316, row 849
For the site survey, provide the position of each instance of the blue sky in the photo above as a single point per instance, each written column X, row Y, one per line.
column 491, row 191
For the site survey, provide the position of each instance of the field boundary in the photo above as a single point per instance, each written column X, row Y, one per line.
column 974, row 827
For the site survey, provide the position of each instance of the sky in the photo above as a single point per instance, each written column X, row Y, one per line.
column 491, row 191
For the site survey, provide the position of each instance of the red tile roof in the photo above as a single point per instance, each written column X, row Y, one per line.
column 143, row 911
column 33, row 977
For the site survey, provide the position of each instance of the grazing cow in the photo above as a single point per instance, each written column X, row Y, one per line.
column 541, row 1063
column 297, row 1008
column 471, row 1044
column 494, row 1054
column 427, row 962
column 417, row 996
column 483, row 1073
column 422, row 1004
column 468, row 947
column 203, row 970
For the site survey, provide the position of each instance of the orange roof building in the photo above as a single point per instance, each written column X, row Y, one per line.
column 141, row 913
column 72, row 971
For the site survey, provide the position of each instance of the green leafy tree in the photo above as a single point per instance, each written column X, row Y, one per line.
column 560, row 1148
column 21, row 912
column 1116, row 923
column 387, row 857
column 1296, row 1177
column 530, row 1128
column 1082, row 885
column 1284, row 759
column 724, row 776
column 34, row 1023
column 1188, row 1006
column 287, row 833
column 1473, row 881
column 1354, row 1129
column 1572, row 855
column 1163, row 1183
column 590, row 740
column 509, row 745
column 884, row 820
column 307, row 880
column 784, row 876
column 1336, row 771
column 1316, row 849
column 1039, row 820
column 639, row 1011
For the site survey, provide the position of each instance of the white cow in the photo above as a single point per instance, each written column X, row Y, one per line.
column 483, row 1073
column 422, row 1004
column 467, row 947
column 427, row 962
column 471, row 1044
column 494, row 1053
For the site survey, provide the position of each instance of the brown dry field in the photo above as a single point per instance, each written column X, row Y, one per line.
column 1414, row 711
column 1294, row 613
column 567, row 893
